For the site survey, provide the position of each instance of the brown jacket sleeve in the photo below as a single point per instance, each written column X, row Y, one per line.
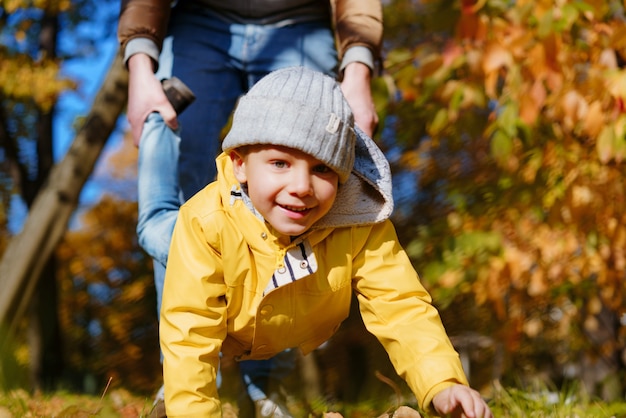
column 143, row 18
column 358, row 23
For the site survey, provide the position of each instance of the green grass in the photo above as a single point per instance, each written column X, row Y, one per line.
column 508, row 402
column 566, row 404
column 117, row 403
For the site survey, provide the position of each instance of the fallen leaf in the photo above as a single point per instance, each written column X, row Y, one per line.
column 406, row 412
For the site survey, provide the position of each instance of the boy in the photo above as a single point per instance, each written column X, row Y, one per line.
column 266, row 257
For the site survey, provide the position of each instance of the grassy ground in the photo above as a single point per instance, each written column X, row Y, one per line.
column 120, row 403
column 117, row 403
column 517, row 403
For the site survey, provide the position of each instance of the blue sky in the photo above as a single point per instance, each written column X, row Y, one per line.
column 89, row 71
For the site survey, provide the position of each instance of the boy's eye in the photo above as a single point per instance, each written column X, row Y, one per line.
column 321, row 168
column 279, row 164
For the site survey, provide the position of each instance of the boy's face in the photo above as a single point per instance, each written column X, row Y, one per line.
column 292, row 190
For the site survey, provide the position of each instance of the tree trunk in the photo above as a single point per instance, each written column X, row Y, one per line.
column 28, row 252
column 44, row 333
column 601, row 366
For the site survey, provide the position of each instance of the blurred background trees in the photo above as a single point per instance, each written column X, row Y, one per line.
column 508, row 126
column 504, row 124
column 29, row 68
column 35, row 51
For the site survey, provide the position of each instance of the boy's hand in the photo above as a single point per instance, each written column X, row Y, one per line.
column 461, row 401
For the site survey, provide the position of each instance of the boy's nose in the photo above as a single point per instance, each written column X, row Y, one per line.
column 300, row 182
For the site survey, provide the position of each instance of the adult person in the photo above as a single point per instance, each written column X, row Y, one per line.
column 220, row 49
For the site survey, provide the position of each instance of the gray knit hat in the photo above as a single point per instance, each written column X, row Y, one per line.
column 297, row 108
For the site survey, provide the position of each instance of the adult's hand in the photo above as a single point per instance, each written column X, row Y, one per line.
column 145, row 95
column 358, row 92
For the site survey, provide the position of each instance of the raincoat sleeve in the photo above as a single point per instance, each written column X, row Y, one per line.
column 397, row 309
column 193, row 317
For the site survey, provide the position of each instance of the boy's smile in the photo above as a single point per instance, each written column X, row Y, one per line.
column 291, row 189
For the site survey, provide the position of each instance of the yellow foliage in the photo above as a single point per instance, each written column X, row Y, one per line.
column 12, row 5
column 451, row 278
column 538, row 284
column 496, row 58
column 50, row 6
column 518, row 264
column 134, row 292
column 32, row 80
column 22, row 355
column 616, row 83
column 533, row 327
column 594, row 120
column 531, row 104
column 574, row 108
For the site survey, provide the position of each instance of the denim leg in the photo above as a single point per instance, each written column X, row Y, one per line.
column 267, row 48
column 158, row 192
column 255, row 375
column 258, row 374
column 201, row 60
column 159, row 280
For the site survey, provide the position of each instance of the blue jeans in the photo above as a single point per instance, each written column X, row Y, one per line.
column 219, row 61
column 158, row 193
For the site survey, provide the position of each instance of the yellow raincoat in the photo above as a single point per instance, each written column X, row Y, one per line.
column 234, row 285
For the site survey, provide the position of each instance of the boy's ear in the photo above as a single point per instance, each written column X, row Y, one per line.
column 239, row 166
